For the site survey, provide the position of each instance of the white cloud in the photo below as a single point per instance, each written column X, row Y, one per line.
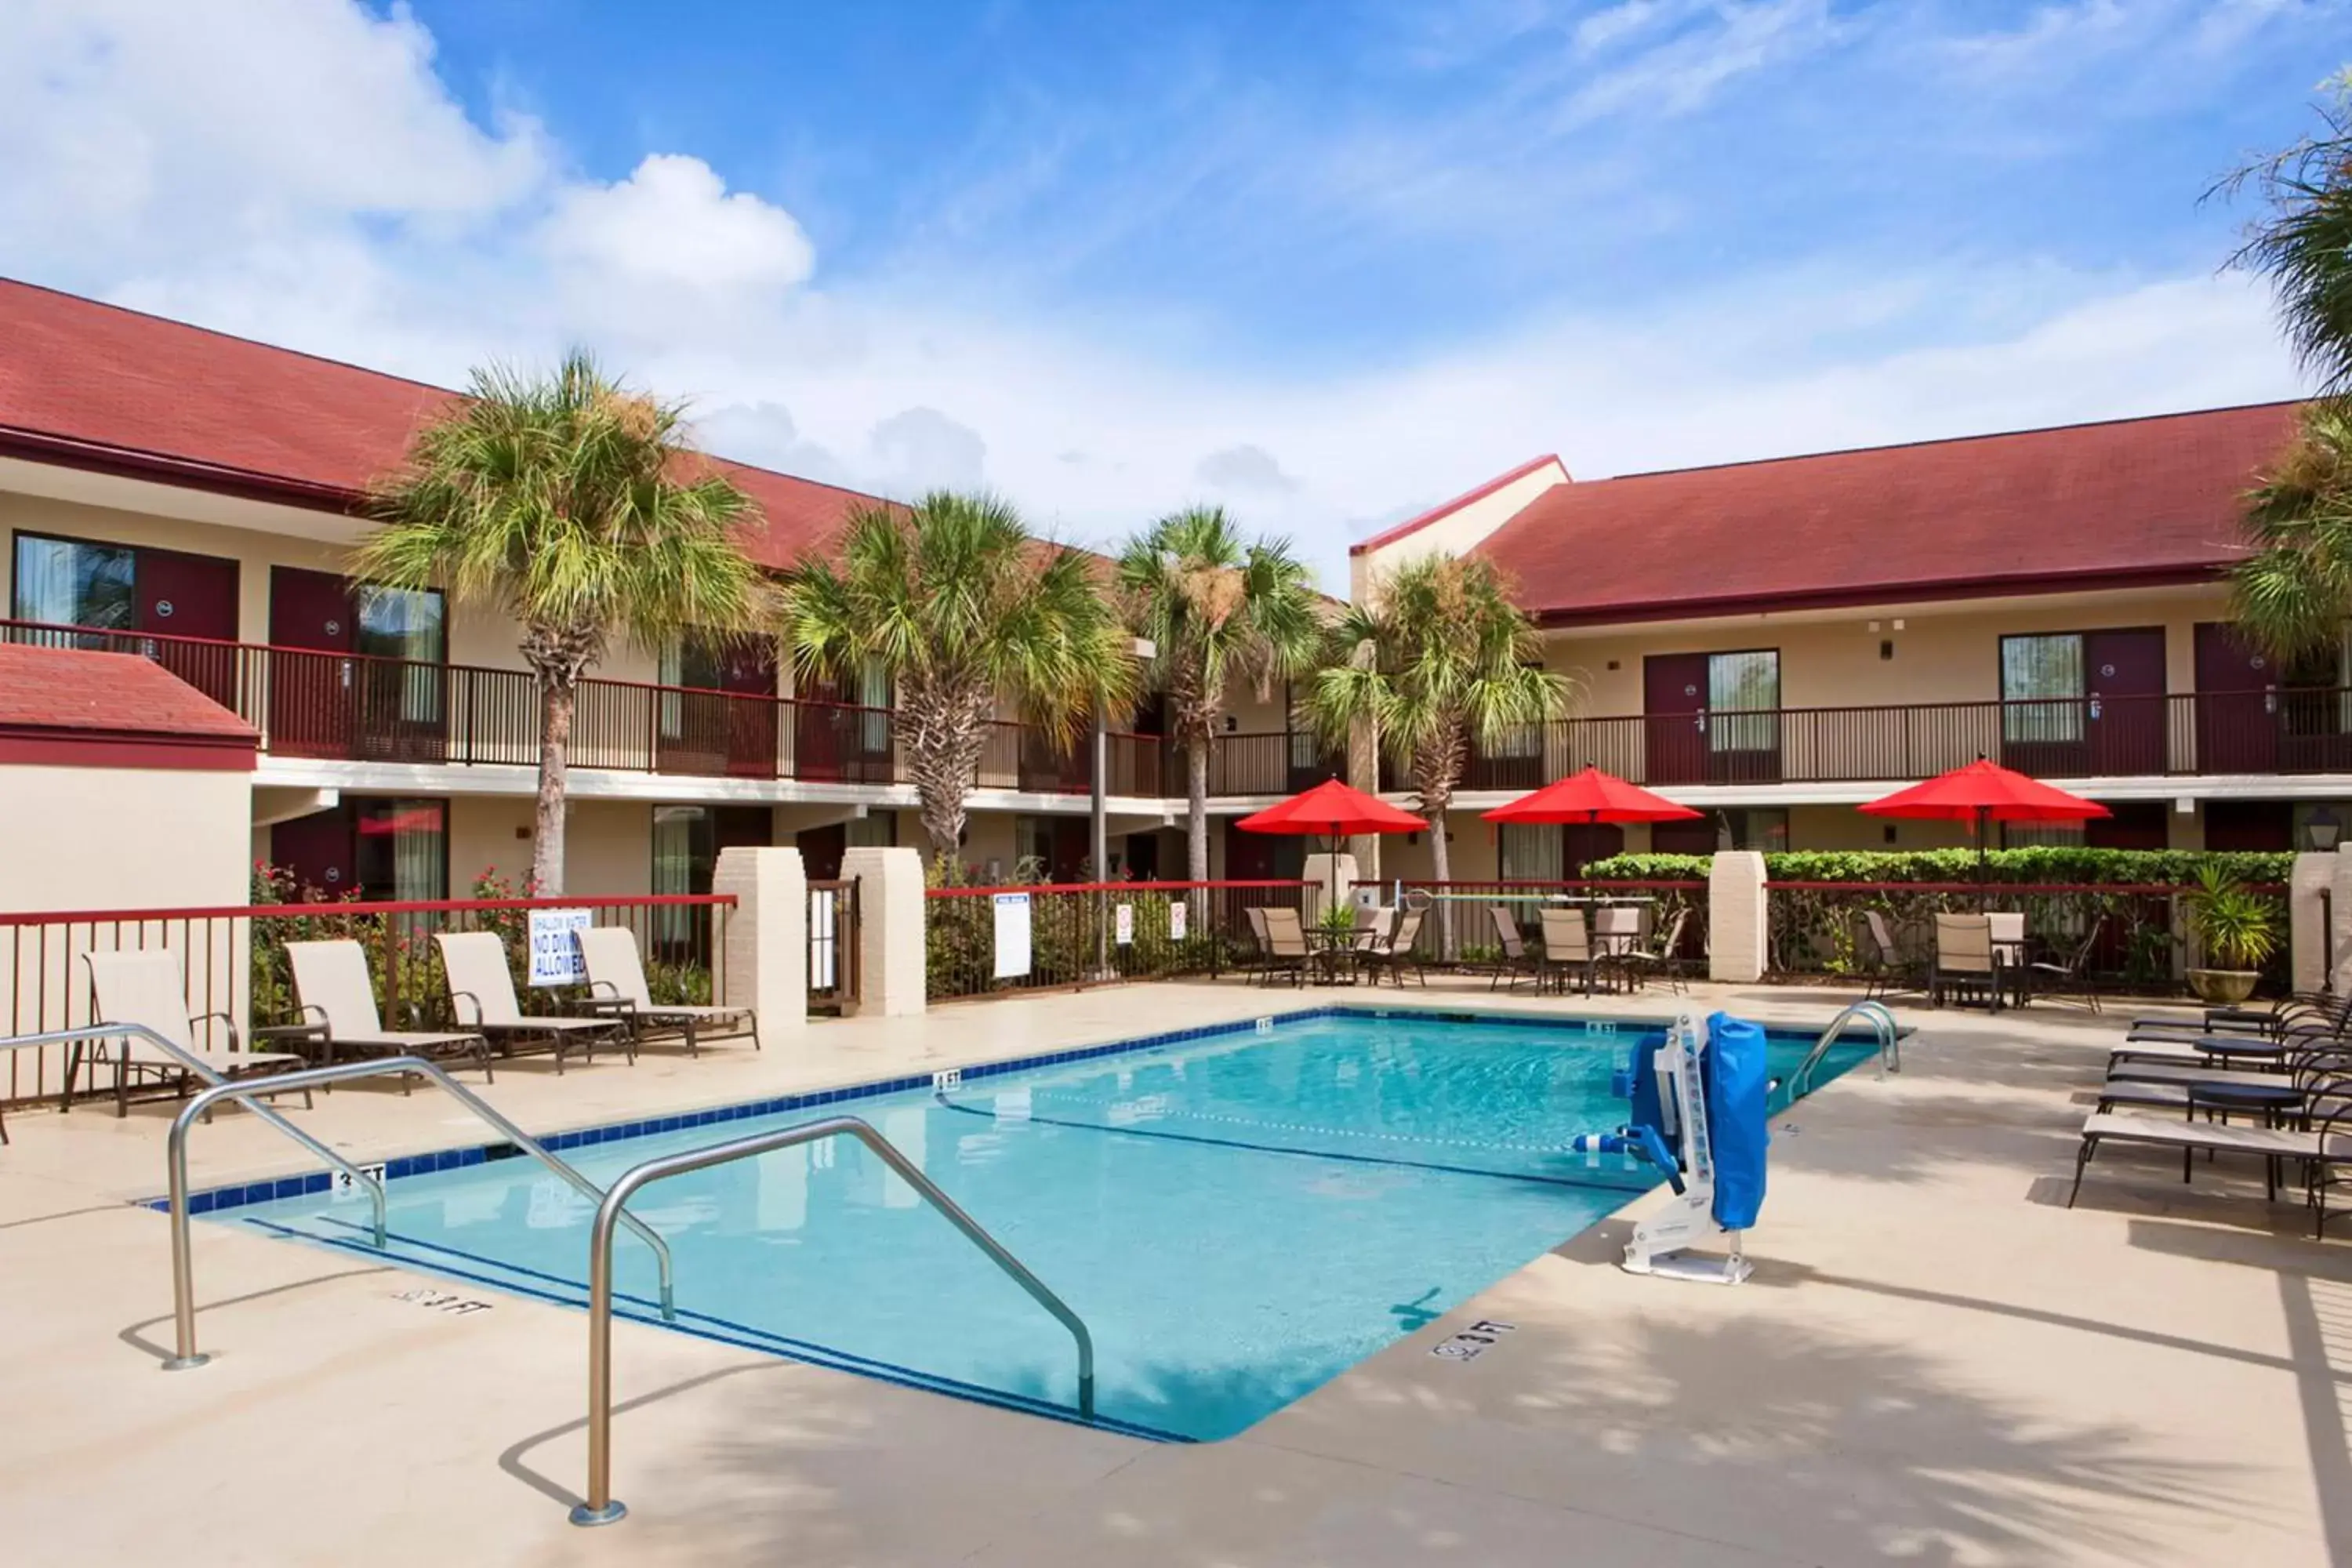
column 674, row 221
column 1247, row 467
column 920, row 449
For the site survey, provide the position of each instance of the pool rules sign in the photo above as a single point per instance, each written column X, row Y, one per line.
column 1011, row 935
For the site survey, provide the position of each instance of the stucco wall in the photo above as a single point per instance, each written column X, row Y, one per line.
column 115, row 838
column 1946, row 654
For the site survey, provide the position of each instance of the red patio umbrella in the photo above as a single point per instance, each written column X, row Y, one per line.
column 1592, row 796
column 1332, row 807
column 1982, row 793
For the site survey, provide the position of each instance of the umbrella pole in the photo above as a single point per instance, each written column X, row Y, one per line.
column 1984, row 827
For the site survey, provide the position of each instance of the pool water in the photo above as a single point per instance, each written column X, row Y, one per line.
column 1237, row 1218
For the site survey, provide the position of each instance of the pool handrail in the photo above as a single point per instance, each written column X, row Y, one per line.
column 601, row 1508
column 1881, row 1019
column 184, row 1288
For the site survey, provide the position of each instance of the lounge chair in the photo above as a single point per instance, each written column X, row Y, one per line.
column 1261, row 946
column 1515, row 959
column 616, row 983
column 147, row 987
column 2319, row 1148
column 1568, row 947
column 1393, row 953
column 2307, row 1012
column 332, row 986
column 1965, row 960
column 1285, row 945
column 482, row 998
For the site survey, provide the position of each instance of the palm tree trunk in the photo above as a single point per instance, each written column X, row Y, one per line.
column 944, row 732
column 1196, row 809
column 1441, row 862
column 558, row 699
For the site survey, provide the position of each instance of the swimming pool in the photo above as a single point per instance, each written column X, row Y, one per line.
column 1239, row 1215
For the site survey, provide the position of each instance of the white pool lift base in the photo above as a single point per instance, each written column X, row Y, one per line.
column 1662, row 1243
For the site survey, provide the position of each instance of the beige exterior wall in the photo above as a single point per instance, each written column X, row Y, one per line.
column 1948, row 653
column 1458, row 530
column 114, row 839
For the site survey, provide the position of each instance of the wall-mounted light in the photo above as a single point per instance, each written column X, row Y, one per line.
column 2323, row 829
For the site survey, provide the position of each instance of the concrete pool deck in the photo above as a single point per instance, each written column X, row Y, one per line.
column 1935, row 1362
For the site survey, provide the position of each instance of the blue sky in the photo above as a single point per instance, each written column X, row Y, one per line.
column 1325, row 262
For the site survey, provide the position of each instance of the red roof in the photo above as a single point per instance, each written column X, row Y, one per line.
column 1414, row 524
column 98, row 387
column 2129, row 502
column 70, row 707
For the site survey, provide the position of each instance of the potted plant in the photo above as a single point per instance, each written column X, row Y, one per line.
column 2235, row 929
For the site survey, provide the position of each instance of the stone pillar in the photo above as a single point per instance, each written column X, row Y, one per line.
column 766, row 959
column 891, row 954
column 1737, row 929
column 2307, row 912
column 2340, row 907
column 1335, row 876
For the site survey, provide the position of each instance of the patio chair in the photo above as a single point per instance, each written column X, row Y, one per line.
column 147, row 987
column 1965, row 960
column 1254, row 962
column 1515, row 959
column 2071, row 970
column 2008, row 928
column 2320, row 1145
column 1393, row 952
column 1662, row 958
column 1286, row 946
column 474, row 965
column 2318, row 1010
column 616, row 983
column 1568, row 948
column 333, row 987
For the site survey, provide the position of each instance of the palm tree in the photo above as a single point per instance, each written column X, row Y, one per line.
column 961, row 607
column 1214, row 609
column 1435, row 656
column 573, row 504
column 2303, row 245
column 2293, row 592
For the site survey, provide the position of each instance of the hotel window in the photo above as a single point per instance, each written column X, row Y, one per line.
column 403, row 849
column 65, row 582
column 1528, row 852
column 2041, row 688
column 686, row 661
column 407, row 624
column 1743, row 695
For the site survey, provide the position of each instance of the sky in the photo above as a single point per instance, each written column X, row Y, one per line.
column 1323, row 262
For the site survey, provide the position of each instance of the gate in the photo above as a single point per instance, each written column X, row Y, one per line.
column 833, row 946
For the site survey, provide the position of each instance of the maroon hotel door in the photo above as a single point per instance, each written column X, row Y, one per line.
column 192, row 597
column 2237, row 704
column 1673, row 703
column 2123, row 677
column 312, row 628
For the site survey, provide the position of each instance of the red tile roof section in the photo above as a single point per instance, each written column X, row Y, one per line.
column 1388, row 536
column 65, row 708
column 94, row 385
column 2130, row 502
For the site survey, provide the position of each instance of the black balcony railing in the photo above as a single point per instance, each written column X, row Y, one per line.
column 2283, row 732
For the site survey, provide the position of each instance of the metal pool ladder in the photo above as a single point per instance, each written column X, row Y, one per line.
column 184, row 1288
column 1881, row 1023
column 602, row 1507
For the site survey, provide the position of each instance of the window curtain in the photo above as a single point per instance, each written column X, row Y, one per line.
column 62, row 584
column 1528, row 851
column 874, row 695
column 420, row 860
column 675, row 828
column 2041, row 689
column 1743, row 700
column 407, row 625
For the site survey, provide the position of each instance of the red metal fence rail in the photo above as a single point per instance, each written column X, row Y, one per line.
column 232, row 960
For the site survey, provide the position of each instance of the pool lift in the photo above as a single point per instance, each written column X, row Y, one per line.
column 1708, row 1078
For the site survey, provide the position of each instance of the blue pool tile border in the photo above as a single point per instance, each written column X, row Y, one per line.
column 235, row 1196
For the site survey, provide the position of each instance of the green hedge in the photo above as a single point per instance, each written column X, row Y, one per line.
column 2045, row 864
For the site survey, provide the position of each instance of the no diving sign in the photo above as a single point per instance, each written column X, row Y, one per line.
column 556, row 946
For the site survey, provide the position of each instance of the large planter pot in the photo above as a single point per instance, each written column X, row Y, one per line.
column 2223, row 987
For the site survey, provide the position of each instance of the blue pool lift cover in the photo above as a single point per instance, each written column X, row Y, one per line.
column 1738, row 1087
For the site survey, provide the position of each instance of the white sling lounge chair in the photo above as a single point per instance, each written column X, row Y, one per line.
column 146, row 987
column 2318, row 1150
column 616, row 979
column 482, row 998
column 330, row 981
